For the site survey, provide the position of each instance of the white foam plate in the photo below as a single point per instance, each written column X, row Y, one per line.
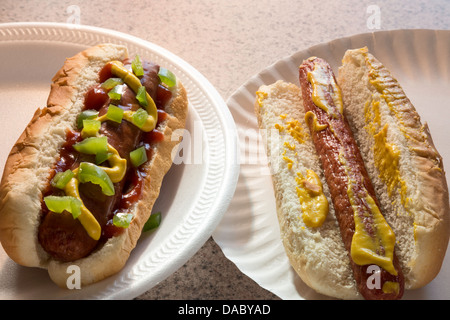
column 195, row 193
column 249, row 233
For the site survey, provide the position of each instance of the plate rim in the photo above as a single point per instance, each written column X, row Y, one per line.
column 283, row 59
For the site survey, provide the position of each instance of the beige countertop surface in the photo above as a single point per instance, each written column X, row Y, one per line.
column 229, row 41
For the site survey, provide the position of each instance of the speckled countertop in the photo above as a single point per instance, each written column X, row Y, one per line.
column 229, row 41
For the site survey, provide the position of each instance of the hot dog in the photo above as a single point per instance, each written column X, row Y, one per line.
column 81, row 181
column 354, row 200
column 354, row 170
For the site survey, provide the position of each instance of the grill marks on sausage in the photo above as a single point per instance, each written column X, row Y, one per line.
column 64, row 237
column 329, row 144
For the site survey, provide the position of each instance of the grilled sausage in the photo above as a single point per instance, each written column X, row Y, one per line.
column 356, row 205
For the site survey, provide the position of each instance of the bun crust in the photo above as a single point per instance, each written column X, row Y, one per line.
column 412, row 189
column 312, row 252
column 28, row 167
column 418, row 197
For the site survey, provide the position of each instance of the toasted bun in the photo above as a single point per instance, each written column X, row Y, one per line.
column 312, row 252
column 31, row 159
column 414, row 197
column 416, row 204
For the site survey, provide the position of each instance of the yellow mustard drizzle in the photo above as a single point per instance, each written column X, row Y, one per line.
column 365, row 249
column 288, row 145
column 86, row 218
column 386, row 155
column 321, row 83
column 391, row 287
column 309, row 190
column 296, row 131
column 372, row 115
column 289, row 162
column 377, row 248
column 260, row 96
column 134, row 83
column 294, row 128
column 279, row 127
column 116, row 173
column 400, row 106
column 118, row 166
column 312, row 199
column 316, row 126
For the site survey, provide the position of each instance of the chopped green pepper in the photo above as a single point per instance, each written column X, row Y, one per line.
column 166, row 76
column 102, row 157
column 114, row 113
column 139, row 118
column 65, row 203
column 116, row 92
column 136, row 65
column 86, row 115
column 111, row 83
column 92, row 145
column 138, row 156
column 91, row 127
column 122, row 219
column 89, row 172
column 134, row 83
column 62, row 178
column 153, row 222
column 141, row 96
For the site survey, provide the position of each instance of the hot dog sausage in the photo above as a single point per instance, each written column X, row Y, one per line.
column 366, row 235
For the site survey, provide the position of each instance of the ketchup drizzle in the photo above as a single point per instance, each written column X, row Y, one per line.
column 95, row 98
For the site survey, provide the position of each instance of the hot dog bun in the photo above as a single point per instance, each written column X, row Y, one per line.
column 31, row 159
column 413, row 193
column 418, row 199
column 312, row 252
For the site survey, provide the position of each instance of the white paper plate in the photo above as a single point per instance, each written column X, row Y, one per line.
column 195, row 193
column 249, row 233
